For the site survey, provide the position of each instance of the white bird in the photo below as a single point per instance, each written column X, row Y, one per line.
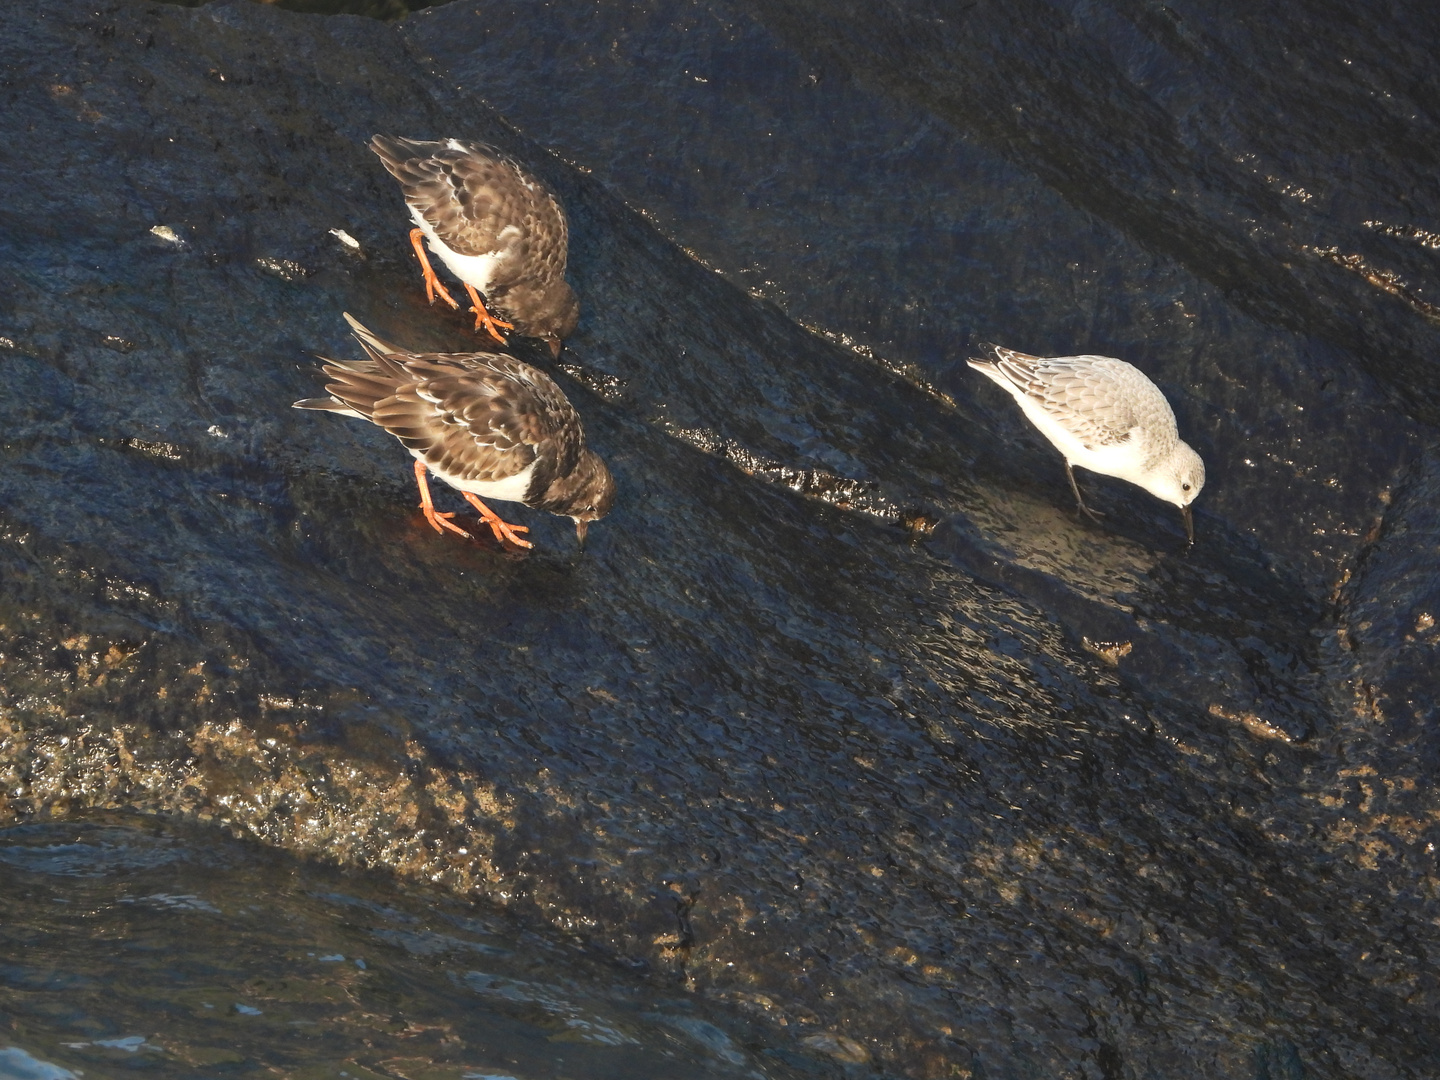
column 1103, row 415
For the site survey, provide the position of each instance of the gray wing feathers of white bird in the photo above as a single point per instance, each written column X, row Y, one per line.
column 1098, row 399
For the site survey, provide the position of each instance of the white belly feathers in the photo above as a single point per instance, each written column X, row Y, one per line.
column 476, row 270
column 511, row 489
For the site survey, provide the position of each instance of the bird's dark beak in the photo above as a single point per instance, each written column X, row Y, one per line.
column 581, row 528
column 555, row 346
column 1189, row 525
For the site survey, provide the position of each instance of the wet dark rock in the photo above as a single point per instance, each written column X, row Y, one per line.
column 896, row 793
column 374, row 9
column 899, row 209
column 1388, row 614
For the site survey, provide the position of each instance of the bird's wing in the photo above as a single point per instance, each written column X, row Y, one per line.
column 1080, row 393
column 477, row 200
column 499, row 198
column 478, row 417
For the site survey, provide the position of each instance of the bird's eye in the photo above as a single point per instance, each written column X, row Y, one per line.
column 1184, row 487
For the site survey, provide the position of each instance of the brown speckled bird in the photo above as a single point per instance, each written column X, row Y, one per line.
column 487, row 424
column 495, row 226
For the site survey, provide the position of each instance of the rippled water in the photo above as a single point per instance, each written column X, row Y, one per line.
column 129, row 944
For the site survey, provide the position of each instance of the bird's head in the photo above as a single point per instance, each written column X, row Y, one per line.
column 550, row 314
column 584, row 495
column 1178, row 481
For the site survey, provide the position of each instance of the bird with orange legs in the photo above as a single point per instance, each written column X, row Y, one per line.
column 495, row 226
column 489, row 425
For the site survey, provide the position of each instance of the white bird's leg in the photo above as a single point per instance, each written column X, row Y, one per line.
column 1091, row 514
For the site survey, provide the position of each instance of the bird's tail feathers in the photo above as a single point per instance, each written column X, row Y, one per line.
column 375, row 346
column 328, row 404
column 356, row 386
column 981, row 363
column 394, row 150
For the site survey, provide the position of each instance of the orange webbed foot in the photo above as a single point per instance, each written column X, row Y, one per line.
column 484, row 319
column 504, row 532
column 441, row 523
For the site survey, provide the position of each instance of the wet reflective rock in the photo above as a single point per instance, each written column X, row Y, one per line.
column 1009, row 795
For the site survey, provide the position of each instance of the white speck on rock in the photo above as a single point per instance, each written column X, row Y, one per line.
column 130, row 1043
column 284, row 269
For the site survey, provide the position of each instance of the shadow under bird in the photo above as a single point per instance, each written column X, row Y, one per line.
column 1106, row 416
column 488, row 425
column 495, row 226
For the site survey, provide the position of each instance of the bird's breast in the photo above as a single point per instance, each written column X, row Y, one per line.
column 476, row 270
column 513, row 488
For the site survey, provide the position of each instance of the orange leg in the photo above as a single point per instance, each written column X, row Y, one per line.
column 440, row 522
column 432, row 283
column 502, row 531
column 484, row 318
